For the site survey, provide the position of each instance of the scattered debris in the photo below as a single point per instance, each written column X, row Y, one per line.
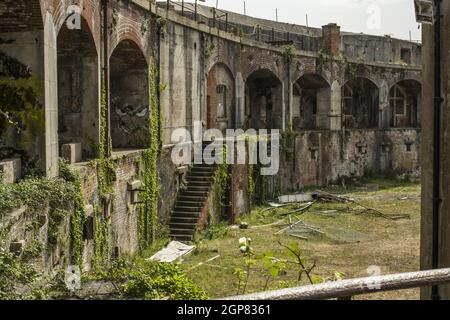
column 328, row 197
column 299, row 225
column 299, row 210
column 172, row 252
column 297, row 236
column 202, row 263
column 243, row 226
column 320, row 196
column 328, row 213
column 275, row 205
column 295, row 198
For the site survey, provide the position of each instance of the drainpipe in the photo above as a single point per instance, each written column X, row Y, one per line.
column 106, row 72
column 436, row 146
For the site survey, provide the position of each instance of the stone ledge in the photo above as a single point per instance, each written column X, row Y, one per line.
column 12, row 170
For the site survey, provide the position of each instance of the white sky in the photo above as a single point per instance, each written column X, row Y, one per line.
column 378, row 17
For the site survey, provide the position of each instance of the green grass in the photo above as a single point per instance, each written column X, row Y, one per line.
column 350, row 244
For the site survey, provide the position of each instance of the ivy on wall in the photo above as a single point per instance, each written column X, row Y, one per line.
column 106, row 176
column 261, row 187
column 106, row 167
column 61, row 198
column 288, row 142
column 101, row 242
column 150, row 197
column 288, row 53
column 221, row 178
column 251, row 184
column 250, row 174
column 78, row 215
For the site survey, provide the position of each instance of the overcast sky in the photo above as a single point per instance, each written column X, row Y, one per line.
column 380, row 17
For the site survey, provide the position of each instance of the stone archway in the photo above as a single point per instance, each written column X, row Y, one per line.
column 129, row 90
column 311, row 102
column 360, row 104
column 78, row 90
column 404, row 104
column 264, row 100
column 221, row 113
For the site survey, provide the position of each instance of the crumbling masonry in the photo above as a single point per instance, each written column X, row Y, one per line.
column 351, row 103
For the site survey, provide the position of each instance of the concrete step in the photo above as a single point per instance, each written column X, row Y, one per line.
column 200, row 179
column 197, row 188
column 197, row 208
column 203, row 165
column 200, row 183
column 194, row 203
column 183, row 226
column 187, row 232
column 202, row 168
column 198, row 199
column 191, row 201
column 180, row 237
column 207, row 161
column 199, row 174
column 176, row 219
column 185, row 214
column 194, row 193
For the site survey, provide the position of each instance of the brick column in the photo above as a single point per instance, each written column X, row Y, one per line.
column 331, row 38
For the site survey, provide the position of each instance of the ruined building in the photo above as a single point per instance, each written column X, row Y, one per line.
column 348, row 105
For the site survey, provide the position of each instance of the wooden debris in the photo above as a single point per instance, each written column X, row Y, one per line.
column 328, row 197
column 203, row 263
column 297, row 236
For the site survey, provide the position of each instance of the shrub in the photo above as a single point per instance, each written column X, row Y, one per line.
column 152, row 280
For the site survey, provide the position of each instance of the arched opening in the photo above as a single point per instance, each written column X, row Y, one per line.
column 220, row 98
column 311, row 102
column 129, row 97
column 264, row 100
column 21, row 99
column 404, row 102
column 360, row 104
column 78, row 91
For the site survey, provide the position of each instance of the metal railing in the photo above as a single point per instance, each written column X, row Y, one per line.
column 220, row 19
column 346, row 289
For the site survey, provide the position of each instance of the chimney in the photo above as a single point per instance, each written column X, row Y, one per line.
column 331, row 38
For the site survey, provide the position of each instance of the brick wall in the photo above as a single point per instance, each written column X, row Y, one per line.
column 331, row 38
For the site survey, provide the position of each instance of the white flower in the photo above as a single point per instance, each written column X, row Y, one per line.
column 243, row 249
column 243, row 241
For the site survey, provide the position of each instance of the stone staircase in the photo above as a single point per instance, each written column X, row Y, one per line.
column 191, row 201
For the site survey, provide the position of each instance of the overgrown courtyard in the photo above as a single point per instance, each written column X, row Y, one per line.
column 349, row 242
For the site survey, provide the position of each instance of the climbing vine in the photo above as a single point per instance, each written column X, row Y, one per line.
column 261, row 187
column 78, row 216
column 250, row 174
column 101, row 241
column 221, row 180
column 15, row 273
column 149, row 209
column 62, row 199
column 106, row 167
column 251, row 183
column 288, row 142
column 288, row 53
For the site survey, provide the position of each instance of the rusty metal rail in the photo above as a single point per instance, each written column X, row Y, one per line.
column 346, row 289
